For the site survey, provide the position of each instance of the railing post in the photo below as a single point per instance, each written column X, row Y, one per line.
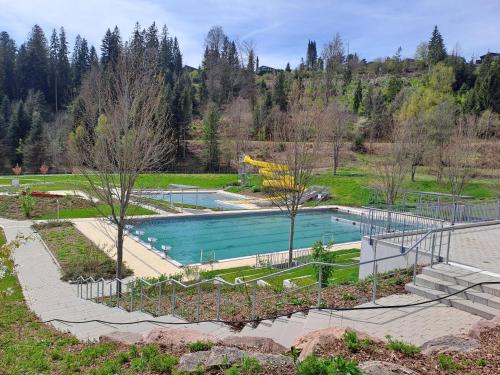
column 403, row 239
column 198, row 303
column 433, row 244
column 320, row 281
column 415, row 266
column 132, row 295
column 110, row 294
column 87, row 290
column 142, row 295
column 173, row 298
column 254, row 301
column 448, row 247
column 218, row 301
column 159, row 300
column 440, row 241
column 374, row 273
column 97, row 297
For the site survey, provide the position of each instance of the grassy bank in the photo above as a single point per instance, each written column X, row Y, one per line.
column 76, row 254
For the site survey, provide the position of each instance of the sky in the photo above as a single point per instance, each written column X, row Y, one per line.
column 279, row 29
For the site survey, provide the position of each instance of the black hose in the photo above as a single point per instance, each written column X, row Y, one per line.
column 257, row 320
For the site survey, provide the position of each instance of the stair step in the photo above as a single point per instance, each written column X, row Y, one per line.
column 459, row 303
column 463, row 277
column 472, row 295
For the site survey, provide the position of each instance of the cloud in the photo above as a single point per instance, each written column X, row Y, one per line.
column 279, row 28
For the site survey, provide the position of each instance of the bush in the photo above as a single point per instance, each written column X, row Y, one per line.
column 402, row 347
column 448, row 364
column 320, row 254
column 27, row 203
column 200, row 346
column 351, row 340
column 328, row 366
column 247, row 366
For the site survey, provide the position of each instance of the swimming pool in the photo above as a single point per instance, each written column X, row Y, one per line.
column 237, row 235
column 204, row 199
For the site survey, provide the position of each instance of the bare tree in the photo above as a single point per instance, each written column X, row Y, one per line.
column 414, row 130
column 333, row 57
column 461, row 154
column 396, row 165
column 129, row 137
column 236, row 128
column 337, row 122
column 287, row 180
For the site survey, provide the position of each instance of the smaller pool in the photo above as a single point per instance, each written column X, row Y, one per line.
column 205, row 199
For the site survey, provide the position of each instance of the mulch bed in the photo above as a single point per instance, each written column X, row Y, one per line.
column 10, row 206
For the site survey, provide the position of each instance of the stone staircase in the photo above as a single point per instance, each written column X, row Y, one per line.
column 444, row 279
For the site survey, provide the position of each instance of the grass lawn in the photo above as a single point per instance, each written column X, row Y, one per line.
column 28, row 346
column 80, row 213
column 76, row 254
column 305, row 275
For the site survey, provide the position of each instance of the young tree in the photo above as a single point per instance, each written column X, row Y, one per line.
column 236, row 126
column 358, row 97
column 395, row 166
column 461, row 154
column 333, row 57
column 211, row 138
column 279, row 93
column 128, row 139
column 337, row 122
column 286, row 185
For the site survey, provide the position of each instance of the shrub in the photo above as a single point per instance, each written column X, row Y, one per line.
column 27, row 203
column 351, row 340
column 349, row 297
column 246, row 366
column 402, row 347
column 334, row 366
column 321, row 254
column 200, row 346
column 448, row 364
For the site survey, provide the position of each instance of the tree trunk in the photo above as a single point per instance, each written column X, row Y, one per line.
column 290, row 248
column 335, row 163
column 413, row 171
column 119, row 258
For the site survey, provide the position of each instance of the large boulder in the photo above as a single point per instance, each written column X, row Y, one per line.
column 176, row 338
column 483, row 324
column 261, row 344
column 125, row 338
column 449, row 344
column 220, row 356
column 384, row 368
column 309, row 342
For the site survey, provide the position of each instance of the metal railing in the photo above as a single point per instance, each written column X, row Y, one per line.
column 170, row 296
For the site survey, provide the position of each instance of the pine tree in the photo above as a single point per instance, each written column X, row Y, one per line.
column 312, row 55
column 19, row 125
column 437, row 50
column 93, row 58
column 138, row 44
column 288, row 69
column 53, row 69
column 64, row 69
column 80, row 60
column 211, row 139
column 33, row 147
column 279, row 94
column 7, row 66
column 111, row 46
column 33, row 63
column 177, row 56
column 358, row 97
column 151, row 37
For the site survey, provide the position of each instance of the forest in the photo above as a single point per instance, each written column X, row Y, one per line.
column 230, row 104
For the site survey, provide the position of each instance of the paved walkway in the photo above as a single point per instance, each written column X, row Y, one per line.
column 50, row 298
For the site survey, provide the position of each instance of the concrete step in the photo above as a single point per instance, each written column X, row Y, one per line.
column 459, row 303
column 473, row 295
column 463, row 277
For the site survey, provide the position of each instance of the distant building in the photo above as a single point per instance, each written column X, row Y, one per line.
column 491, row 55
column 267, row 69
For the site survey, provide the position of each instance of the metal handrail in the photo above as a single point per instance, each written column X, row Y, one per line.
column 221, row 282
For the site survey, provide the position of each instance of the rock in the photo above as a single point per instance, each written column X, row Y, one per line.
column 481, row 325
column 262, row 344
column 126, row 338
column 451, row 343
column 176, row 338
column 384, row 368
column 309, row 342
column 220, row 356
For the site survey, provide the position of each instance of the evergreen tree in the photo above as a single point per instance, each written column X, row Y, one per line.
column 177, row 58
column 151, row 37
column 487, row 87
column 211, row 139
column 279, row 94
column 33, row 63
column 80, row 60
column 53, row 68
column 93, row 58
column 8, row 83
column 33, row 148
column 138, row 43
column 437, row 50
column 19, row 126
column 111, row 46
column 64, row 69
column 312, row 55
column 288, row 69
column 358, row 97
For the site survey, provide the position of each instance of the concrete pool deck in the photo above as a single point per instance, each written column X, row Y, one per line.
column 146, row 263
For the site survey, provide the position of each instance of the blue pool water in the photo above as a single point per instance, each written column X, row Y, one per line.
column 236, row 235
column 205, row 199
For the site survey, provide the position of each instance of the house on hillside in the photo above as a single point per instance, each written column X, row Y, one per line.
column 491, row 55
